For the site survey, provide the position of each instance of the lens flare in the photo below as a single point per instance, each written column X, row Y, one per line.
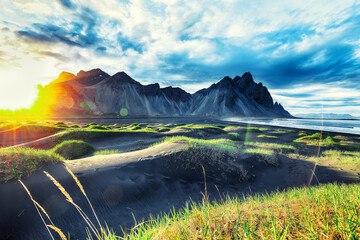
column 124, row 112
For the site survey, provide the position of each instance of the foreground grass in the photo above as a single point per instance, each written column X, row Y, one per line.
column 18, row 162
column 328, row 211
column 323, row 212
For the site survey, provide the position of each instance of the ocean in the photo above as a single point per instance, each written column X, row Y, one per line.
column 331, row 125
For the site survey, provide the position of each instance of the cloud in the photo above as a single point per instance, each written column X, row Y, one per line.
column 67, row 3
column 57, row 56
column 192, row 43
column 341, row 97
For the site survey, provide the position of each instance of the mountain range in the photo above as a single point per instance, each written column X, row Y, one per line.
column 96, row 92
column 326, row 116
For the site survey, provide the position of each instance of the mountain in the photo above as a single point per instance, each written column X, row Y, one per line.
column 326, row 115
column 96, row 92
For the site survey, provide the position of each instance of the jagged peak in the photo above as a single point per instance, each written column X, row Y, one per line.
column 95, row 71
column 63, row 77
column 122, row 77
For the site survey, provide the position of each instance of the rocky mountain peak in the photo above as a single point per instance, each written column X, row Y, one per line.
column 92, row 77
column 96, row 71
column 123, row 78
column 63, row 77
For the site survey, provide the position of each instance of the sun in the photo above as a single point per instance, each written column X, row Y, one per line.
column 15, row 94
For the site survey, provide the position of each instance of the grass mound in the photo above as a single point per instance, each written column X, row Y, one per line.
column 234, row 136
column 280, row 148
column 221, row 143
column 72, row 149
column 263, row 155
column 164, row 129
column 266, row 136
column 340, row 142
column 18, row 162
column 323, row 212
column 217, row 157
column 207, row 128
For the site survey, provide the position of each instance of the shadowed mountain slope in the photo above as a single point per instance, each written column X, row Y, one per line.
column 96, row 92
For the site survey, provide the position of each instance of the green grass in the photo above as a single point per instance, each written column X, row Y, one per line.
column 252, row 129
column 282, row 131
column 18, row 162
column 281, row 148
column 73, row 149
column 263, row 154
column 266, row 136
column 234, row 136
column 164, row 129
column 328, row 141
column 324, row 212
column 224, row 144
column 98, row 127
column 342, row 158
column 302, row 133
column 107, row 151
column 215, row 129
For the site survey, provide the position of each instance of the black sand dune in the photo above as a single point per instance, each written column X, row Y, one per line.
column 136, row 184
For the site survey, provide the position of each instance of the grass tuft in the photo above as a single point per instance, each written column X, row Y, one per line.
column 18, row 162
column 72, row 149
column 266, row 136
column 107, row 151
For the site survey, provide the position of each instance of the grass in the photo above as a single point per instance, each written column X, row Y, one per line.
column 73, row 149
column 323, row 212
column 253, row 129
column 263, row 154
column 266, row 136
column 280, row 131
column 342, row 158
column 302, row 133
column 18, row 162
column 235, row 136
column 214, row 129
column 164, row 129
column 281, row 148
column 107, row 151
column 345, row 143
column 328, row 211
column 223, row 144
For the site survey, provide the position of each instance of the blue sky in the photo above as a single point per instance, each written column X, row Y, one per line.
column 306, row 52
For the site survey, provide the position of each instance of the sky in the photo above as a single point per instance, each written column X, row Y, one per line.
column 306, row 52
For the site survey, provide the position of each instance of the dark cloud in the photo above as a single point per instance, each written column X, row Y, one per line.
column 127, row 43
column 50, row 33
column 53, row 55
column 67, row 3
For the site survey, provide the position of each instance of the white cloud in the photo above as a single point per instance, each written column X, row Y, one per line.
column 166, row 27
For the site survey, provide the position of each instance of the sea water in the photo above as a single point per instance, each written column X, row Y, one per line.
column 332, row 125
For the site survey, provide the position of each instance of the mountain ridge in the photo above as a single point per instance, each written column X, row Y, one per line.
column 240, row 96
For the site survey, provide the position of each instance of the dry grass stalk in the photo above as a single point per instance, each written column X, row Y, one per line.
column 83, row 191
column 61, row 188
column 37, row 209
column 61, row 234
column 69, row 199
